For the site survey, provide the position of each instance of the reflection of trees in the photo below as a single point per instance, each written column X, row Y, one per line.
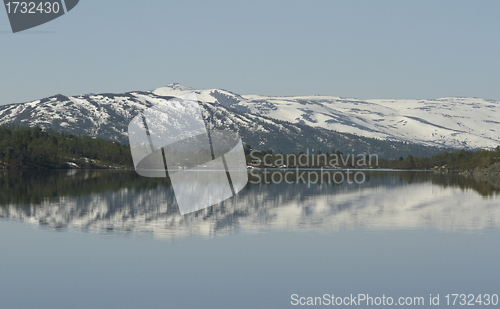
column 445, row 180
column 27, row 186
column 34, row 187
column 451, row 180
column 100, row 198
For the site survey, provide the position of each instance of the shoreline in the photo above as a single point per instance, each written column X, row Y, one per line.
column 490, row 174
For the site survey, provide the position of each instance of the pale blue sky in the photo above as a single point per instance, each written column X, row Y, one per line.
column 361, row 49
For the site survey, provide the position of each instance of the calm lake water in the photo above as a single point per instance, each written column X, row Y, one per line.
column 112, row 239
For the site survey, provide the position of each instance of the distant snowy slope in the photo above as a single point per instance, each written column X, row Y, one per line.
column 447, row 122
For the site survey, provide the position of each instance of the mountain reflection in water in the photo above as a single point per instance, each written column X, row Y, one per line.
column 123, row 202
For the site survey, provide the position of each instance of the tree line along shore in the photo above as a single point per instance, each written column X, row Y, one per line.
column 446, row 161
column 24, row 147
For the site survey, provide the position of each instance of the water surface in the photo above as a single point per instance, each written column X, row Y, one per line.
column 112, row 239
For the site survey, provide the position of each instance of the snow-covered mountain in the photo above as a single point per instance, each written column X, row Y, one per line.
column 108, row 116
column 448, row 122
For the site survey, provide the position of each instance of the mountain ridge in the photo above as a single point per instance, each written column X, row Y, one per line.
column 455, row 122
column 107, row 115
